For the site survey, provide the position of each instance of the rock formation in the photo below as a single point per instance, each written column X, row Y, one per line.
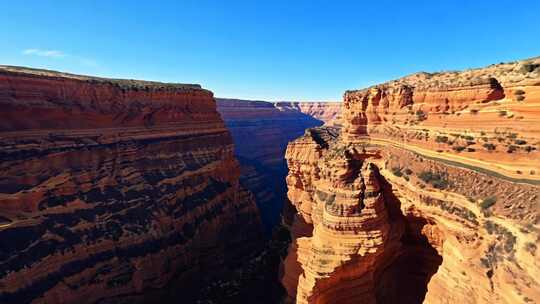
column 111, row 188
column 429, row 194
column 261, row 131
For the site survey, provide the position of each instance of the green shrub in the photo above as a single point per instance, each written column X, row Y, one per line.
column 529, row 148
column 528, row 67
column 437, row 180
column 441, row 139
column 488, row 202
column 397, row 171
column 530, row 247
column 421, row 115
column 511, row 149
column 489, row 147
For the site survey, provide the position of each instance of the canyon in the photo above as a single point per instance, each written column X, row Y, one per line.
column 261, row 131
column 429, row 193
column 112, row 190
column 424, row 189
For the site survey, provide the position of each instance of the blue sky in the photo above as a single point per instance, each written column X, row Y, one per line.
column 271, row 50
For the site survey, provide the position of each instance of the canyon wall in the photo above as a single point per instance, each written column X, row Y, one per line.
column 261, row 131
column 430, row 193
column 111, row 190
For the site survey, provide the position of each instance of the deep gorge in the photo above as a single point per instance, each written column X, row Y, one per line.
column 423, row 189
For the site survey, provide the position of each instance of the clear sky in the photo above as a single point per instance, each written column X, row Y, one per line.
column 270, row 50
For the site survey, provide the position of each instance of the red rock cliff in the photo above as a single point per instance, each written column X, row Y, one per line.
column 430, row 193
column 109, row 188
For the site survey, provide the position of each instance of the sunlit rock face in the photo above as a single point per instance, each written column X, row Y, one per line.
column 111, row 188
column 428, row 194
column 261, row 131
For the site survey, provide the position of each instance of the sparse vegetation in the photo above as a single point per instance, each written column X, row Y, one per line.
column 511, row 149
column 488, row 202
column 531, row 247
column 421, row 115
column 441, row 139
column 489, row 147
column 529, row 67
column 436, row 180
column 397, row 171
column 458, row 148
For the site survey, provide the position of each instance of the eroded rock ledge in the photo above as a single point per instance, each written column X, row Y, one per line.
column 110, row 188
column 429, row 194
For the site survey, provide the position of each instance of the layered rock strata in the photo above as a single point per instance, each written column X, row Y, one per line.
column 261, row 131
column 429, row 194
column 110, row 188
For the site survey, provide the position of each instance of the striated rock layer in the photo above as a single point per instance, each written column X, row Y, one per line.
column 429, row 194
column 261, row 131
column 110, row 188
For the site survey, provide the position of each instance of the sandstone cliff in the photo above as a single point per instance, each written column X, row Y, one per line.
column 261, row 131
column 430, row 193
column 110, row 188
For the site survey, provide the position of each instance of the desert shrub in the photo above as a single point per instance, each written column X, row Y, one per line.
column 519, row 92
column 397, row 171
column 488, row 202
column 421, row 115
column 520, row 98
column 437, row 180
column 529, row 148
column 470, row 150
column 468, row 137
column 474, row 111
column 511, row 149
column 528, row 67
column 489, row 147
column 520, row 142
column 530, row 247
column 502, row 113
column 441, row 139
column 408, row 171
column 458, row 148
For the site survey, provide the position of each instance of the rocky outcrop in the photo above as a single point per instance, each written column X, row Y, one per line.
column 261, row 131
column 111, row 188
column 428, row 194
